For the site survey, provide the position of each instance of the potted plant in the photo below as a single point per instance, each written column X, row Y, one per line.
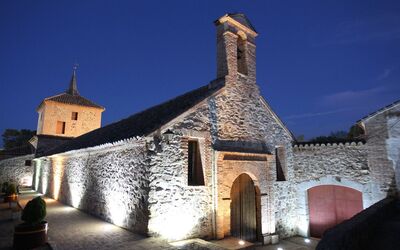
column 4, row 187
column 11, row 194
column 33, row 232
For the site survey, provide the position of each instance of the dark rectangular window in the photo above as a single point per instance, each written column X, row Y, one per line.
column 74, row 116
column 280, row 164
column 60, row 129
column 195, row 167
column 28, row 163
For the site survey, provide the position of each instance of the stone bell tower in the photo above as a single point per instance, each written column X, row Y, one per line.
column 236, row 49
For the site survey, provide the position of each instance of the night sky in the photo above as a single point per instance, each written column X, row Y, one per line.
column 321, row 65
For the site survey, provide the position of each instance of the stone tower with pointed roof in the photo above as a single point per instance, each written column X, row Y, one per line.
column 68, row 114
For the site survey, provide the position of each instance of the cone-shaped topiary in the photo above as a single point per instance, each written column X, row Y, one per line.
column 11, row 189
column 35, row 211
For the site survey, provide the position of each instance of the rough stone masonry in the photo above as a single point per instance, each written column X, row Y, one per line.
column 136, row 173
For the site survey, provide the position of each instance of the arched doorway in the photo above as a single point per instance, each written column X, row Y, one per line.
column 243, row 208
column 329, row 205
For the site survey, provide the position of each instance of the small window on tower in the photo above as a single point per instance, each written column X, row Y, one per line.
column 74, row 116
column 60, row 129
column 280, row 164
column 28, row 163
column 195, row 167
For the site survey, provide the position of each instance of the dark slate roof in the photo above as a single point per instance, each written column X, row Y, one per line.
column 47, row 142
column 380, row 110
column 142, row 123
column 71, row 96
column 73, row 88
column 72, row 99
column 26, row 149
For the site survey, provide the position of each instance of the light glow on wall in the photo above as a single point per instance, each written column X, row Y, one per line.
column 116, row 204
column 302, row 225
column 76, row 195
column 176, row 224
column 58, row 173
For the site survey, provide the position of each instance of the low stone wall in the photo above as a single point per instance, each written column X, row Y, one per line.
column 14, row 170
column 110, row 182
column 347, row 161
column 343, row 164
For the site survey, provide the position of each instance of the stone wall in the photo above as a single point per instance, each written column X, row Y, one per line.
column 110, row 182
column 383, row 143
column 331, row 164
column 393, row 145
column 14, row 170
column 178, row 210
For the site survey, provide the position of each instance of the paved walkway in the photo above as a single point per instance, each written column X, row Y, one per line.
column 294, row 243
column 70, row 228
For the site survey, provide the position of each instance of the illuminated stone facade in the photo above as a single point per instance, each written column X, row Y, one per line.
column 18, row 170
column 134, row 173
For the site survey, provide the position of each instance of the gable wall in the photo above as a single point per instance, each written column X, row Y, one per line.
column 242, row 116
column 383, row 143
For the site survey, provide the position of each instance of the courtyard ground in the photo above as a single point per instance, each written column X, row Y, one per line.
column 70, row 228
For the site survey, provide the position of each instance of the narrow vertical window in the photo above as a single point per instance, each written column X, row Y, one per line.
column 195, row 167
column 74, row 116
column 60, row 129
column 241, row 56
column 280, row 164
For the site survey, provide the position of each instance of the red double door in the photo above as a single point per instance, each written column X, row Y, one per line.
column 329, row 205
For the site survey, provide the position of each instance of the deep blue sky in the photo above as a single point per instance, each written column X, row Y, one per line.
column 321, row 65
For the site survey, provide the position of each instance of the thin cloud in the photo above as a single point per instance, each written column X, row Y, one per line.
column 351, row 96
column 386, row 73
column 309, row 115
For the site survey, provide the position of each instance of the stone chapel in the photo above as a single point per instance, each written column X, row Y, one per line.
column 211, row 163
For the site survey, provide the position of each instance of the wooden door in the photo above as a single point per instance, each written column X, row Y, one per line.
column 329, row 205
column 243, row 209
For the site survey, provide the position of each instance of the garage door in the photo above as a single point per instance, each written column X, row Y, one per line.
column 329, row 205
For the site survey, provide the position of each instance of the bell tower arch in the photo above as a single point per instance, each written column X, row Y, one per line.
column 236, row 46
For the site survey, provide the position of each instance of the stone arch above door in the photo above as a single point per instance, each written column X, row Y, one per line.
column 230, row 165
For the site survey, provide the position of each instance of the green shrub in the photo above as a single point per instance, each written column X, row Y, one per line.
column 34, row 211
column 11, row 189
column 4, row 187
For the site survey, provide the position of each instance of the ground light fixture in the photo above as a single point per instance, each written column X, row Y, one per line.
column 307, row 240
column 241, row 242
column 279, row 248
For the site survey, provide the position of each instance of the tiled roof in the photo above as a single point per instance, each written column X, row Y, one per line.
column 242, row 19
column 72, row 99
column 379, row 111
column 71, row 96
column 142, row 123
column 26, row 149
